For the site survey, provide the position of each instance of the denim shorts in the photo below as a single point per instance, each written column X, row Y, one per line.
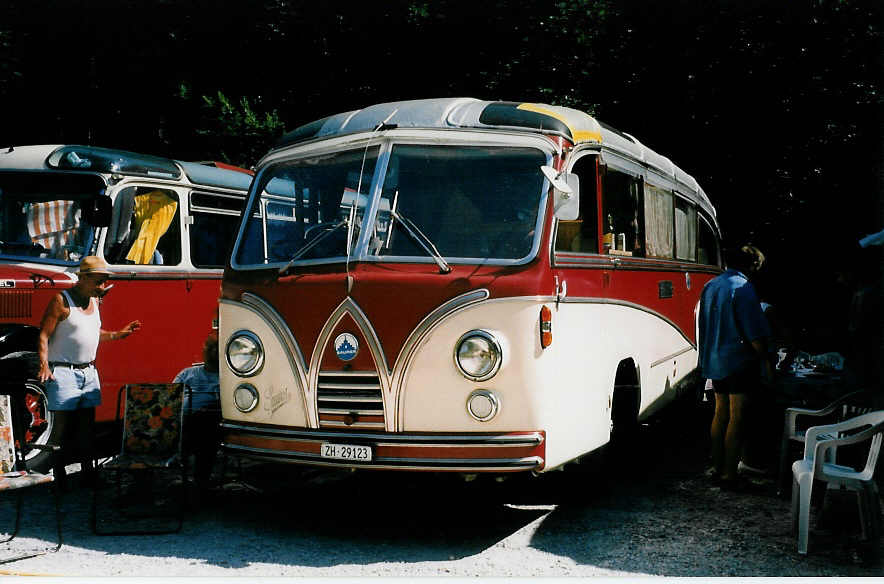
column 73, row 389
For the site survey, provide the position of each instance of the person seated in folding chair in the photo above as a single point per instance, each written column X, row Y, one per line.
column 201, row 427
column 69, row 335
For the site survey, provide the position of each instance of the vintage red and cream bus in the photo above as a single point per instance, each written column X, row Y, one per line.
column 164, row 226
column 459, row 285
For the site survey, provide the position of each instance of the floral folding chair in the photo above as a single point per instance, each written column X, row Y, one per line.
column 152, row 430
column 16, row 478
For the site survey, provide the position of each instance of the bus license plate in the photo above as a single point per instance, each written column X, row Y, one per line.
column 346, row 452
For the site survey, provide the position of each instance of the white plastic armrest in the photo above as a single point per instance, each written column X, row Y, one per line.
column 818, row 448
column 793, row 413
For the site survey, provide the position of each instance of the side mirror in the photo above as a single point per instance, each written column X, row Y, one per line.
column 566, row 190
column 98, row 211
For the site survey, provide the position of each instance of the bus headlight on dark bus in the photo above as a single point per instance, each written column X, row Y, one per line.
column 478, row 355
column 245, row 355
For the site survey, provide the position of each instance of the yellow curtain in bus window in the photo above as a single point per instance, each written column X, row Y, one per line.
column 53, row 225
column 154, row 212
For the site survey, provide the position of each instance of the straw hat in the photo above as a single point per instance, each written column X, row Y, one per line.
column 93, row 265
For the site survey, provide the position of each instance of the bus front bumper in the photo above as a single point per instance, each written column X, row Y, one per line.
column 468, row 452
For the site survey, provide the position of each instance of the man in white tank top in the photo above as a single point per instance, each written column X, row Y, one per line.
column 69, row 335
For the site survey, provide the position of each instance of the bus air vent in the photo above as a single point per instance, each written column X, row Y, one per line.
column 15, row 303
column 350, row 399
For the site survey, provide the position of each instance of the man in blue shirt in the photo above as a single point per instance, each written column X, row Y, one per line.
column 732, row 344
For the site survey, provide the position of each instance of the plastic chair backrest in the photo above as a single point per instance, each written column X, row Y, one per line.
column 153, row 419
column 7, row 439
column 838, row 429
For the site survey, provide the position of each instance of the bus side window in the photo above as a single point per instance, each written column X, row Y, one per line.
column 215, row 221
column 622, row 219
column 658, row 222
column 707, row 244
column 685, row 230
column 146, row 228
column 582, row 234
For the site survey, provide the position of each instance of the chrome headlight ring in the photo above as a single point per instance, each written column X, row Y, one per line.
column 245, row 397
column 478, row 355
column 483, row 405
column 244, row 353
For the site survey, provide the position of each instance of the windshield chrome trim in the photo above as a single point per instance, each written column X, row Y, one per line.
column 386, row 141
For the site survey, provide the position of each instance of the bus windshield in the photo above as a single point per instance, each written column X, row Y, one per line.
column 43, row 221
column 467, row 203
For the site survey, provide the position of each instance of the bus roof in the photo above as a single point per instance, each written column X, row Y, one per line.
column 203, row 174
column 465, row 112
column 108, row 160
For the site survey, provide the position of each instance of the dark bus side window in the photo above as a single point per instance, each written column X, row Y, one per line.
column 622, row 219
column 707, row 244
column 146, row 228
column 215, row 221
column 582, row 235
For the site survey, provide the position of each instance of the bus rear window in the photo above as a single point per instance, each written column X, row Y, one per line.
column 707, row 244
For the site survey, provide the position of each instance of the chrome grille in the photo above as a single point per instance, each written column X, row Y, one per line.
column 350, row 399
column 15, row 303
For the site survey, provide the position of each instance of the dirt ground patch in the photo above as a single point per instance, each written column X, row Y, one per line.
column 652, row 514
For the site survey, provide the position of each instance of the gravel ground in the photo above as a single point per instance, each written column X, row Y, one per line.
column 660, row 518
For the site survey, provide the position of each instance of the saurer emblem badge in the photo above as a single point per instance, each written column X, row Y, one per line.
column 346, row 346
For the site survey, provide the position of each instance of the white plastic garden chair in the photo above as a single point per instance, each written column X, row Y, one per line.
column 818, row 464
column 793, row 435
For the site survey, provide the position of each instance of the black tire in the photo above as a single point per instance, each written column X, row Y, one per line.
column 624, row 415
column 625, row 427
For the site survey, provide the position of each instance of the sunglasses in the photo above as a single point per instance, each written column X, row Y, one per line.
column 98, row 278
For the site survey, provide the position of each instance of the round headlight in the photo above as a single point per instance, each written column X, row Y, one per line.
column 245, row 355
column 482, row 405
column 478, row 355
column 245, row 398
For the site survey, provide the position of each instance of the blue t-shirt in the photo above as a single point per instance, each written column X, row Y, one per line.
column 204, row 386
column 730, row 319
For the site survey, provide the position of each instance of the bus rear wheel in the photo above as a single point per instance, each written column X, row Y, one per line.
column 624, row 416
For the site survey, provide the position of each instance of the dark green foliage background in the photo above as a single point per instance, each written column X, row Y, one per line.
column 773, row 106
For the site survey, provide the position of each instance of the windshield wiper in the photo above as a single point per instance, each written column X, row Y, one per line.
column 424, row 241
column 319, row 238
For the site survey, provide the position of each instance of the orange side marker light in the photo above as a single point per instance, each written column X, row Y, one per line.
column 545, row 327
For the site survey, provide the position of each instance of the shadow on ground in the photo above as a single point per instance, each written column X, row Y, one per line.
column 650, row 512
